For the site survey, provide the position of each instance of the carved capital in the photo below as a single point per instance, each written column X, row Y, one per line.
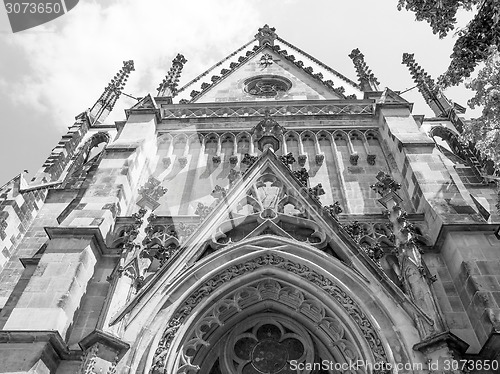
column 183, row 162
column 353, row 158
column 166, row 161
column 233, row 160
column 302, row 160
column 371, row 159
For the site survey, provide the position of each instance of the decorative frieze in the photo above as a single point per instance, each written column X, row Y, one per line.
column 236, row 111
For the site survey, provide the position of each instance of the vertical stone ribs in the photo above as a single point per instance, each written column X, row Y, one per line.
column 367, row 79
column 168, row 87
column 106, row 102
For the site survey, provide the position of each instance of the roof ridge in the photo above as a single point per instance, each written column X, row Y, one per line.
column 215, row 66
column 225, row 72
column 250, row 54
column 315, row 60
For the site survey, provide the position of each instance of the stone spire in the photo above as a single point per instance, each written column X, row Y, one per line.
column 427, row 87
column 266, row 35
column 268, row 133
column 366, row 78
column 105, row 104
column 168, row 87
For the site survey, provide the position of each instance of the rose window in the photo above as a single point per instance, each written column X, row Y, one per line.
column 267, row 85
column 268, row 349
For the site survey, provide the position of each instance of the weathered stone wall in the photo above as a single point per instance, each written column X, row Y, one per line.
column 20, row 237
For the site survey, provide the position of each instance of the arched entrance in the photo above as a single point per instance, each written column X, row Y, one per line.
column 268, row 326
column 219, row 326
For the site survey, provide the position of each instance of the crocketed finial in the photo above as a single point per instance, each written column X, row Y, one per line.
column 168, row 87
column 367, row 79
column 266, row 35
column 427, row 87
column 106, row 102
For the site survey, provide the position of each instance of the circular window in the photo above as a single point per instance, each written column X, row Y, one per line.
column 267, row 345
column 267, row 85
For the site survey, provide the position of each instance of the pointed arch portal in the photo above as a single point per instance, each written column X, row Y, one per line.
column 265, row 306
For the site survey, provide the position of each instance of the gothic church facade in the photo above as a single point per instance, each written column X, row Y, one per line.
column 270, row 216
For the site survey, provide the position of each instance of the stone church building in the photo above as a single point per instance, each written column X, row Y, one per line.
column 270, row 216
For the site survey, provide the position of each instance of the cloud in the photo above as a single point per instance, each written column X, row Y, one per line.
column 72, row 59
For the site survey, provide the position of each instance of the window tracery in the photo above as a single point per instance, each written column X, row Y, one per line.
column 268, row 347
column 267, row 85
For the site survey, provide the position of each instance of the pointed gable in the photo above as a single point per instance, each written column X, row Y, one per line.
column 267, row 76
column 309, row 79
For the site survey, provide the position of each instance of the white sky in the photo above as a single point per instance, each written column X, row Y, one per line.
column 53, row 72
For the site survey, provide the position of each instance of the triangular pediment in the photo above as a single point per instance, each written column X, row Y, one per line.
column 279, row 79
column 307, row 78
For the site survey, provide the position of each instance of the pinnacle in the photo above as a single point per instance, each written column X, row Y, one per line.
column 266, row 35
